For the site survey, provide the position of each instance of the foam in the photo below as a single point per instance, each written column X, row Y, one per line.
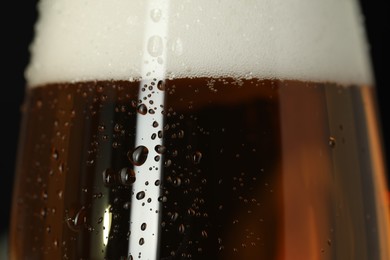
column 316, row 40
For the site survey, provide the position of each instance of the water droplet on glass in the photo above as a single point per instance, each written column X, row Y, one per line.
column 140, row 195
column 155, row 124
column 143, row 226
column 55, row 154
column 127, row 176
column 155, row 46
column 168, row 163
column 160, row 149
column 101, row 128
column 196, row 157
column 141, row 241
column 332, row 142
column 142, row 109
column 162, row 199
column 138, row 156
column 182, row 229
column 177, row 47
column 39, row 103
column 161, row 85
column 176, row 182
column 155, row 14
column 108, row 177
column 180, row 134
column 75, row 223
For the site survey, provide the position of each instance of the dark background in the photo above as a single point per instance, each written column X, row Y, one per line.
column 17, row 31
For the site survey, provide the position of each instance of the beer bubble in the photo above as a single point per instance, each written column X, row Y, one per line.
column 142, row 109
column 157, row 182
column 140, row 195
column 138, row 156
column 155, row 14
column 155, row 46
column 127, row 176
column 108, row 177
column 157, row 158
column 143, row 226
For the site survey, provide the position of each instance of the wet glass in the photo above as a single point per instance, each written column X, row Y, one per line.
column 200, row 130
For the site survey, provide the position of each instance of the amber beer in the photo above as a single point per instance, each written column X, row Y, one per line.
column 173, row 162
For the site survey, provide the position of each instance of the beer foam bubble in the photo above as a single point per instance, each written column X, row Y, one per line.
column 78, row 40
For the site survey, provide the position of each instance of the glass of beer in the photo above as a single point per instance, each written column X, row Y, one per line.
column 200, row 130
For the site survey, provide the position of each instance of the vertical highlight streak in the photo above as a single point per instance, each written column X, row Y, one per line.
column 146, row 210
column 379, row 174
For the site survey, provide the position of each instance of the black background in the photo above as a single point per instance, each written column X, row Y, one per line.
column 17, row 22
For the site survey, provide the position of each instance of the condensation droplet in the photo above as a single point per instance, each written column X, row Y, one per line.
column 180, row 134
column 155, row 14
column 168, row 163
column 155, row 124
column 108, row 177
column 140, row 195
column 160, row 149
column 182, row 229
column 101, row 128
column 155, row 46
column 143, row 226
column 127, row 176
column 332, row 142
column 162, row 199
column 142, row 109
column 153, row 136
column 77, row 222
column 55, row 154
column 196, row 157
column 177, row 47
column 176, row 182
column 39, row 103
column 138, row 156
column 161, row 85
column 141, row 241
column 157, row 182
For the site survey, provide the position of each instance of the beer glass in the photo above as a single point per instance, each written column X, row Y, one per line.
column 199, row 130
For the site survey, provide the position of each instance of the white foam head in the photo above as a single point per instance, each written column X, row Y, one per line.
column 79, row 40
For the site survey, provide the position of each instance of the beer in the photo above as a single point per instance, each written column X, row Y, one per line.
column 198, row 149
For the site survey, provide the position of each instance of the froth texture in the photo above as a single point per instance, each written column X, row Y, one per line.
column 79, row 40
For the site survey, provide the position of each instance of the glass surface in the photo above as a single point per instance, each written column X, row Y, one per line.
column 200, row 130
